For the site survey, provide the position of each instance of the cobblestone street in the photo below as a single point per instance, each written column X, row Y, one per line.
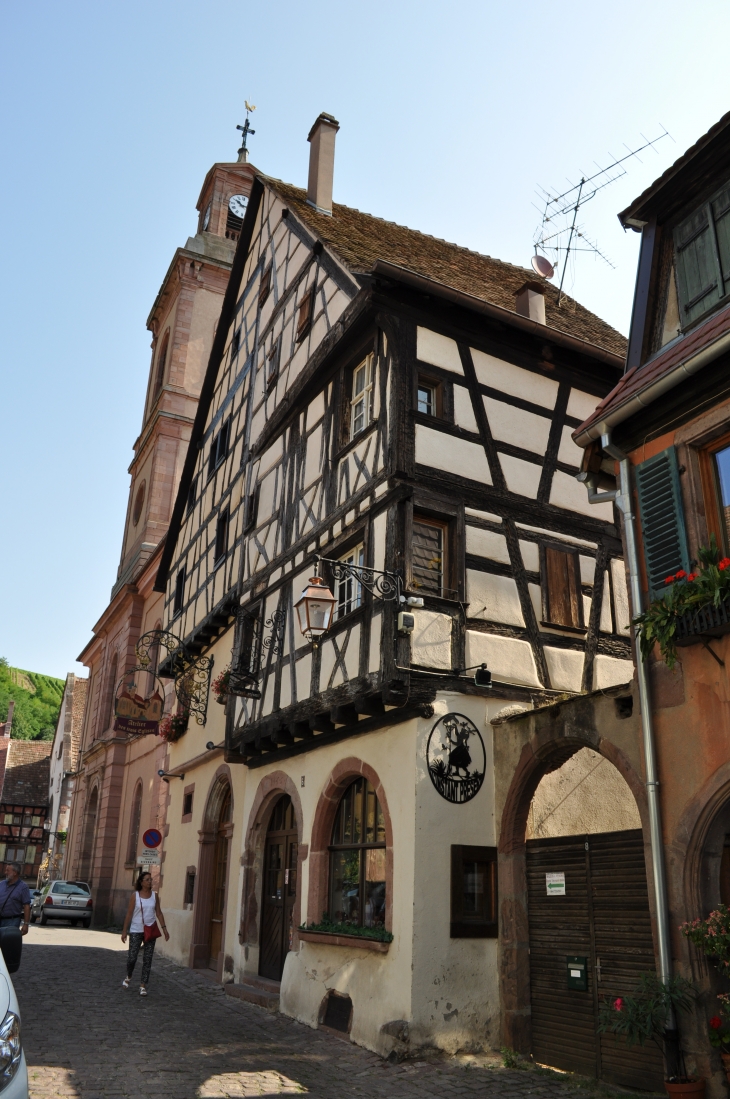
column 86, row 1037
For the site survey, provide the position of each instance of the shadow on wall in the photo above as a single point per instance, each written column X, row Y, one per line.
column 586, row 795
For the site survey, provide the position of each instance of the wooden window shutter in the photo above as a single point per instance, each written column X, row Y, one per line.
column 721, row 216
column 698, row 277
column 564, row 598
column 662, row 519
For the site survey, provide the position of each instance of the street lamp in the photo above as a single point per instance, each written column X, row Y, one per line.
column 314, row 608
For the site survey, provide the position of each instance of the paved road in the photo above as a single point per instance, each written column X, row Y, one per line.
column 87, row 1038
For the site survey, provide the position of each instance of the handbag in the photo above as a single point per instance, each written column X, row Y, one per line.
column 151, row 930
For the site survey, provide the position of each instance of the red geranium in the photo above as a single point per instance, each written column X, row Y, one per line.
column 618, row 1003
column 692, row 576
column 724, row 563
column 715, row 1022
column 669, row 580
column 680, row 575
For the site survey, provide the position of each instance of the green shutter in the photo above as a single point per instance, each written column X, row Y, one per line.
column 697, row 275
column 662, row 519
column 721, row 214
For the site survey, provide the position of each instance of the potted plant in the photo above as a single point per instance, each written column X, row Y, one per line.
column 712, row 936
column 222, row 686
column 172, row 726
column 642, row 1017
column 719, row 1031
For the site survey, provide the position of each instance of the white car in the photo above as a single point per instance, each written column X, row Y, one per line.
column 13, row 1070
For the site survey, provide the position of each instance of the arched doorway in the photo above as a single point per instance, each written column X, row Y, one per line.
column 220, row 878
column 87, row 845
column 279, row 889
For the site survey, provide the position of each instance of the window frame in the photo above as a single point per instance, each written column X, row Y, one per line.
column 711, row 489
column 305, row 310
column 219, row 447
column 548, row 620
column 222, row 530
column 366, row 395
column 265, row 283
column 352, row 605
column 461, row 927
column 426, row 381
column 188, row 792
column 333, row 848
column 178, row 600
column 273, row 362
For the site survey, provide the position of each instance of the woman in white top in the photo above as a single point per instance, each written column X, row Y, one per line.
column 143, row 911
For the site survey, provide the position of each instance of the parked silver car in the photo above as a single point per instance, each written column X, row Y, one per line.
column 62, row 900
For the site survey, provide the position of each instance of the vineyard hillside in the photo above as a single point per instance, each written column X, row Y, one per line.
column 37, row 701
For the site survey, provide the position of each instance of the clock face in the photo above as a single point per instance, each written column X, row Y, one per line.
column 237, row 205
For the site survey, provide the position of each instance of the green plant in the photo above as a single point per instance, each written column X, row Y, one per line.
column 222, row 682
column 642, row 1017
column 712, row 936
column 708, row 586
column 172, row 726
column 331, row 927
column 61, row 836
column 511, row 1059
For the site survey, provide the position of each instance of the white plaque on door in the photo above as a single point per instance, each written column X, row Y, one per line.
column 555, row 884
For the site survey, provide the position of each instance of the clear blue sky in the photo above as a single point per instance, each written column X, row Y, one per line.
column 112, row 113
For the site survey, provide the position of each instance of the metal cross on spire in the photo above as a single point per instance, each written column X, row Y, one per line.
column 245, row 131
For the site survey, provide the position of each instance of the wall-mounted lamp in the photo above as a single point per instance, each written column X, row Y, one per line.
column 167, row 775
column 315, row 605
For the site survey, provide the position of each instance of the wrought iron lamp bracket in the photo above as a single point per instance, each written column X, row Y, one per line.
column 191, row 673
column 387, row 586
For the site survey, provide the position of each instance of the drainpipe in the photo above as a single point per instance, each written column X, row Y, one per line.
column 623, row 499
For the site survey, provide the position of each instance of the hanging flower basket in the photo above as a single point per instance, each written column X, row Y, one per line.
column 222, row 686
column 173, row 726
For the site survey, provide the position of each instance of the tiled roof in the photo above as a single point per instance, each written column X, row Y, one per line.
column 640, row 378
column 27, row 772
column 360, row 240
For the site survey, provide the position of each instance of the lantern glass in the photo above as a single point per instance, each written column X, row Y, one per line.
column 314, row 608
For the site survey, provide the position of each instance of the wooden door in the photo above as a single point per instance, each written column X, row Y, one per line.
column 602, row 917
column 279, row 889
column 220, row 876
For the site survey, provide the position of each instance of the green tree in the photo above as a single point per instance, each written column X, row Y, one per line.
column 37, row 701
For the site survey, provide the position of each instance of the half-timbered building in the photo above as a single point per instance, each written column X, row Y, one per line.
column 402, row 407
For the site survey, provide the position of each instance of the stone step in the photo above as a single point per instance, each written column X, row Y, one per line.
column 263, row 997
column 264, row 983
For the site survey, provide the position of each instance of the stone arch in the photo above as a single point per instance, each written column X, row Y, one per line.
column 269, row 790
column 346, row 771
column 551, row 738
column 220, row 784
column 88, row 834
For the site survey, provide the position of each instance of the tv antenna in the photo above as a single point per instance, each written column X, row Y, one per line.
column 560, row 214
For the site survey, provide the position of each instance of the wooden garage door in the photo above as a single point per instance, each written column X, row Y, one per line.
column 603, row 917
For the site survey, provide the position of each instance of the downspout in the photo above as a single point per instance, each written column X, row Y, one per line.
column 622, row 497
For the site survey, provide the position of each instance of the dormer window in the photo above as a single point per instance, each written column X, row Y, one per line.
column 702, row 245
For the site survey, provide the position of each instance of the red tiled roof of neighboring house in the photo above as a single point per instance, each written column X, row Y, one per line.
column 81, row 687
column 639, row 378
column 27, row 772
column 360, row 240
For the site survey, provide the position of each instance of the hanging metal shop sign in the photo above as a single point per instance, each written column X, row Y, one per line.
column 456, row 758
column 135, row 715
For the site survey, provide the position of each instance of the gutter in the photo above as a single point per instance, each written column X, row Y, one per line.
column 657, row 389
column 496, row 312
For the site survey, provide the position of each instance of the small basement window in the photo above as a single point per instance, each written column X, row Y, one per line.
column 473, row 892
column 189, row 887
column 337, row 1013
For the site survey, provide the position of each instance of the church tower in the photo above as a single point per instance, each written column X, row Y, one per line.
column 182, row 322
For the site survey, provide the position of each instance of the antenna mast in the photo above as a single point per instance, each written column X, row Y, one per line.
column 560, row 212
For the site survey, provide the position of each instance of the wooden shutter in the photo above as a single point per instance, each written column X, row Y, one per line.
column 698, row 277
column 662, row 519
column 562, row 588
column 721, row 215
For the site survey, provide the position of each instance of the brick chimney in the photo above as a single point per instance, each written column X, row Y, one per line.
column 322, row 163
column 530, row 301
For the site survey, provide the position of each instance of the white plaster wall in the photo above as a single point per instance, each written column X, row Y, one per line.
column 568, row 452
column 609, row 672
column 581, row 405
column 487, row 543
column 586, row 795
column 378, row 984
column 431, row 639
column 517, row 426
column 463, row 409
column 514, row 380
column 521, row 477
column 565, row 667
column 455, row 1002
column 568, row 493
column 509, row 659
column 494, row 598
column 620, row 597
column 438, row 350
column 442, row 451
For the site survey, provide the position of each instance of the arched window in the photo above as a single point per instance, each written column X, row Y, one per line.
column 111, row 692
column 357, row 859
column 161, row 363
column 134, row 822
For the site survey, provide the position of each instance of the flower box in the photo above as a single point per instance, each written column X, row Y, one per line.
column 707, row 621
column 326, row 938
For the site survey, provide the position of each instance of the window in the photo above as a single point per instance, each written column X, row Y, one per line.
column 562, row 601
column 429, row 397
column 221, row 537
column 251, row 510
column 134, row 822
column 161, row 362
column 361, row 403
column 236, row 343
column 179, row 591
column 304, row 317
column 187, row 803
column 428, row 556
column 192, row 493
column 111, row 691
column 348, row 591
column 219, row 448
column 662, row 519
column 357, row 859
column 138, row 503
column 15, row 854
column 189, row 887
column 273, row 362
column 265, row 285
column 473, row 892
column 702, row 246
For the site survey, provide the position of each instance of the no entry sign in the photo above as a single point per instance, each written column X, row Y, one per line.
column 152, row 838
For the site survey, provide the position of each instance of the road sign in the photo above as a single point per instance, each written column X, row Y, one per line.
column 149, row 857
column 152, row 837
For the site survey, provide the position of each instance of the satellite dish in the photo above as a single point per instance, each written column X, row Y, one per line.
column 543, row 267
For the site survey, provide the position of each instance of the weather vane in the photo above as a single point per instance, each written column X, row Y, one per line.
column 560, row 216
column 245, row 131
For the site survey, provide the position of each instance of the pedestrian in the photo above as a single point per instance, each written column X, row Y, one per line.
column 14, row 899
column 143, row 912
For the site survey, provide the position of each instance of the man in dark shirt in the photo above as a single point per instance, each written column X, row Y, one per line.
column 14, row 899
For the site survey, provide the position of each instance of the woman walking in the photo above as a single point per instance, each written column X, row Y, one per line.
column 143, row 913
